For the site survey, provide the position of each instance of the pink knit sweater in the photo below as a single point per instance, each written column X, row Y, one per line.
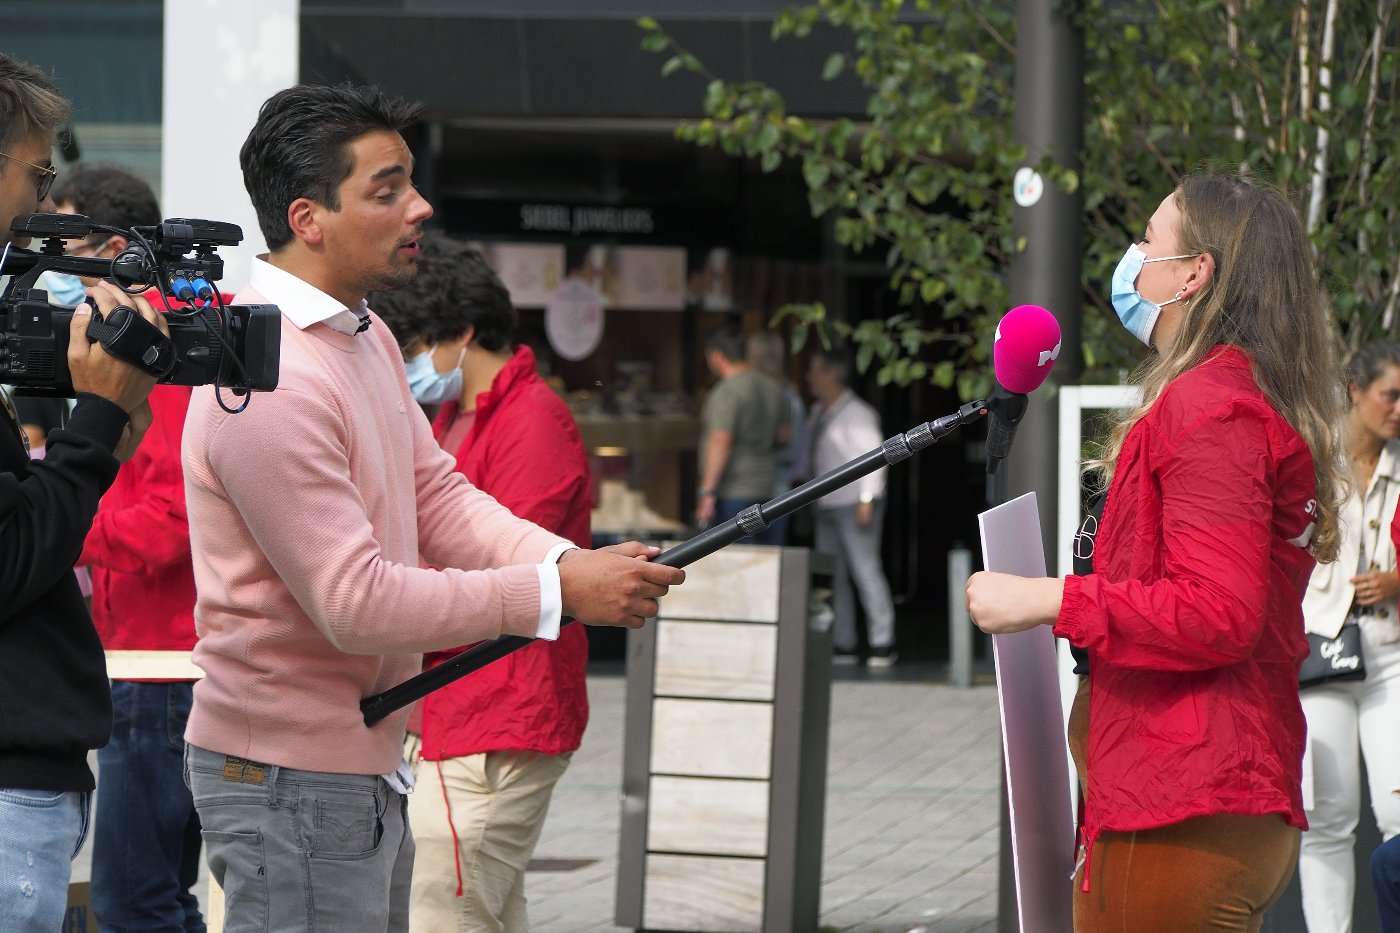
column 308, row 513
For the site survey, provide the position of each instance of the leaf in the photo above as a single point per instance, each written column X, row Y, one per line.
column 835, row 63
column 864, row 355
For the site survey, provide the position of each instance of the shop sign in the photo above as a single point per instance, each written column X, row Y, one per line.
column 579, row 220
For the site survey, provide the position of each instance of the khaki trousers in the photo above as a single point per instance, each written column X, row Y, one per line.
column 1218, row 872
column 476, row 821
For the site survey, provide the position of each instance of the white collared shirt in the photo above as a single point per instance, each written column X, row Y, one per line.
column 304, row 305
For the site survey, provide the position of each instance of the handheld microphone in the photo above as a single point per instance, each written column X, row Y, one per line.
column 1026, row 346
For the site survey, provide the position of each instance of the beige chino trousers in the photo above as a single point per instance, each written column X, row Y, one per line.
column 476, row 820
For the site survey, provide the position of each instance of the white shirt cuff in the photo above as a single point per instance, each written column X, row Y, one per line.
column 551, row 593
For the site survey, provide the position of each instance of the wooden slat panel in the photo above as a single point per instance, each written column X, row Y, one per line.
column 710, row 816
column 723, row 660
column 705, row 894
column 739, row 583
column 711, row 738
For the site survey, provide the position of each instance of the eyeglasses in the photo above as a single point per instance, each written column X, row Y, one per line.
column 47, row 174
column 86, row 245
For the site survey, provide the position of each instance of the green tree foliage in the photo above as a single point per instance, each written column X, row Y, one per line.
column 1301, row 94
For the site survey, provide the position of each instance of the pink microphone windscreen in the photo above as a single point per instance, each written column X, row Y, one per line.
column 1026, row 346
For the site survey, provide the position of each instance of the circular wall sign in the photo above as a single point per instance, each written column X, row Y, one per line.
column 1027, row 186
column 573, row 319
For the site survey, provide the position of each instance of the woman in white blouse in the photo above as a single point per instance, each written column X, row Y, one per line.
column 1360, row 586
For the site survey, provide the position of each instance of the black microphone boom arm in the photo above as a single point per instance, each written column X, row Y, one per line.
column 747, row 523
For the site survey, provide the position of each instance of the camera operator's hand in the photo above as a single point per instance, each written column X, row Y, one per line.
column 615, row 585
column 93, row 368
column 138, row 423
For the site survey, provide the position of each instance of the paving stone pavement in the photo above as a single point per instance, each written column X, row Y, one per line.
column 911, row 830
column 911, row 812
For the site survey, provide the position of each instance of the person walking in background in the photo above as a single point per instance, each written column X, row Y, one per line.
column 490, row 747
column 1359, row 589
column 743, row 424
column 768, row 354
column 850, row 521
column 1224, row 488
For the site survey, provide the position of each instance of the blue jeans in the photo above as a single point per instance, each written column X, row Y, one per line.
column 1385, row 877
column 40, row 833
column 145, row 852
column 302, row 851
column 857, row 553
column 725, row 509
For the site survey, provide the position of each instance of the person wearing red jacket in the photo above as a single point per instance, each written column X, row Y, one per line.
column 146, row 834
column 490, row 746
column 1224, row 487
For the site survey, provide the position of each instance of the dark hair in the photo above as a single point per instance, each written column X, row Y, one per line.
column 454, row 289
column 30, row 104
column 835, row 358
column 300, row 147
column 109, row 195
column 1371, row 361
column 729, row 341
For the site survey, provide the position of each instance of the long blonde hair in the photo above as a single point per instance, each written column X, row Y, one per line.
column 1264, row 299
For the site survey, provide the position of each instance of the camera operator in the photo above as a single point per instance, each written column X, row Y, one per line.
column 55, row 705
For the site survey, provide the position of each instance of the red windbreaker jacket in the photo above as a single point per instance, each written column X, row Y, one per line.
column 525, row 450
column 139, row 547
column 1193, row 617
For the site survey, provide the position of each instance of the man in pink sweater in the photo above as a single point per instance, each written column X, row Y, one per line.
column 311, row 515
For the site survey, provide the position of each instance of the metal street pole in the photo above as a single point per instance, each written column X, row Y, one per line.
column 1049, row 122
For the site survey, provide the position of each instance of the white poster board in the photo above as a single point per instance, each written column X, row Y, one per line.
column 1032, row 733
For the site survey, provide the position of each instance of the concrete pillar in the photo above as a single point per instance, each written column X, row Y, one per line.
column 222, row 59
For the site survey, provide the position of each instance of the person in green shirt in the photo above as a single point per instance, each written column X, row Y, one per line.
column 743, row 423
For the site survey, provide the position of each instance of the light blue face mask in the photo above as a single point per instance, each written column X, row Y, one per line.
column 1138, row 314
column 64, row 289
column 429, row 386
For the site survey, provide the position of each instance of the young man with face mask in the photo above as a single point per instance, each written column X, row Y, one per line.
column 491, row 745
column 146, row 840
column 311, row 520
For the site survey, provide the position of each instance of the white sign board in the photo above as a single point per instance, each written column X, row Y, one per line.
column 1032, row 733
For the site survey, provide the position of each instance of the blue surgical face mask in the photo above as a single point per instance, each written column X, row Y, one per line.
column 63, row 289
column 429, row 386
column 1138, row 314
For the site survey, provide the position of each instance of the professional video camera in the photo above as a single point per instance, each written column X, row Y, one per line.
column 231, row 346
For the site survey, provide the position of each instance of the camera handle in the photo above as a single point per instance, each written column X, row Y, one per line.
column 128, row 336
column 746, row 524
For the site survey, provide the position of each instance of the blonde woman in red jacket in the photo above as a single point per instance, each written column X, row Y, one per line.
column 1223, row 489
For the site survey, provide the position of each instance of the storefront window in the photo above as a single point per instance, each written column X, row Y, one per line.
column 106, row 57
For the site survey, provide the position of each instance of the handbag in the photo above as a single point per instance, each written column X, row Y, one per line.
column 1336, row 660
column 1333, row 660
